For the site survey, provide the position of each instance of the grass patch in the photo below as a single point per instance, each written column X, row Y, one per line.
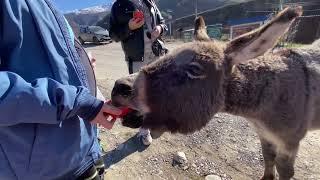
column 291, row 45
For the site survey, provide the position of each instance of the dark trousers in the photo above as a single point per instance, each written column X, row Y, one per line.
column 130, row 66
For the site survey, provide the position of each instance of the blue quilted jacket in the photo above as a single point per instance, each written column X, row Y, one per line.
column 47, row 95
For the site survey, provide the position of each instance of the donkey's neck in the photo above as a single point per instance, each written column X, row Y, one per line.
column 250, row 86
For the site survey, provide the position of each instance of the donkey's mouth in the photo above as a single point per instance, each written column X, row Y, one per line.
column 133, row 119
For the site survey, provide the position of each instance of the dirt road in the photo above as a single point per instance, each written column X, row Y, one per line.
column 227, row 147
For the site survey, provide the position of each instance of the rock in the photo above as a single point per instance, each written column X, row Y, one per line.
column 194, row 165
column 180, row 158
column 185, row 168
column 112, row 167
column 213, row 177
column 159, row 172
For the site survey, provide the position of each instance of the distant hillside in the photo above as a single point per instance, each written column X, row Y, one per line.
column 229, row 12
column 179, row 8
column 104, row 22
column 216, row 11
column 88, row 16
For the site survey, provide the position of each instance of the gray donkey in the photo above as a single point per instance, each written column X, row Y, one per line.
column 279, row 93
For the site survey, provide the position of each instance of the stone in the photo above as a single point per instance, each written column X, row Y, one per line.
column 194, row 165
column 185, row 168
column 180, row 158
column 213, row 177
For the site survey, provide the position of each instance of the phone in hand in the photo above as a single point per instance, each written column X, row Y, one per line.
column 138, row 15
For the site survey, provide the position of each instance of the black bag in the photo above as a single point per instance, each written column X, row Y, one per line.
column 158, row 48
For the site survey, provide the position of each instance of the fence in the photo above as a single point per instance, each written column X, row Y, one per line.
column 305, row 30
column 214, row 31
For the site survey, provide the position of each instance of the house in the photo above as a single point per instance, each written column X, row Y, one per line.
column 240, row 26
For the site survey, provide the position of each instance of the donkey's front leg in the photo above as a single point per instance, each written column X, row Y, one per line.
column 269, row 155
column 285, row 161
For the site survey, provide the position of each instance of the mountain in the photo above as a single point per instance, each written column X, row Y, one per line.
column 91, row 10
column 215, row 11
column 224, row 11
column 88, row 16
column 99, row 15
column 180, row 8
column 104, row 22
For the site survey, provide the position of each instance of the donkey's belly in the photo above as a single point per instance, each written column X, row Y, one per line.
column 266, row 134
column 315, row 124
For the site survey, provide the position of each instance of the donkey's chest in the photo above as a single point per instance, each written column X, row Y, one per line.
column 266, row 133
column 315, row 123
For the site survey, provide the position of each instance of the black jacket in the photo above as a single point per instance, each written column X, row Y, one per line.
column 132, row 41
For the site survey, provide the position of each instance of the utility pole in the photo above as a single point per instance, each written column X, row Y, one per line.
column 196, row 8
column 280, row 5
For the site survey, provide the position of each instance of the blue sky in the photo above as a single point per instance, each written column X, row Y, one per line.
column 67, row 5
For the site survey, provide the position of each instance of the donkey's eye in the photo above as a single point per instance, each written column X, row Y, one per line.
column 195, row 71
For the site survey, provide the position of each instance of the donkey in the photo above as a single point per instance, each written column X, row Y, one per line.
column 277, row 92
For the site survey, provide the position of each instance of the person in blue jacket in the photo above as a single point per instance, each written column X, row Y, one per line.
column 48, row 108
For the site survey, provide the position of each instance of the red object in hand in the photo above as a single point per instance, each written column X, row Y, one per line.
column 138, row 15
column 124, row 111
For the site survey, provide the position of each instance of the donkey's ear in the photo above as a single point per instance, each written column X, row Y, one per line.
column 257, row 42
column 200, row 30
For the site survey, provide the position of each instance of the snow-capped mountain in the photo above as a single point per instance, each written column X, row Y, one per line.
column 88, row 16
column 92, row 10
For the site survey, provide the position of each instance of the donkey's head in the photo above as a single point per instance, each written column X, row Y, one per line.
column 183, row 90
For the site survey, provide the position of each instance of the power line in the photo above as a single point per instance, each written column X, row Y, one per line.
column 281, row 5
column 202, row 12
column 261, row 11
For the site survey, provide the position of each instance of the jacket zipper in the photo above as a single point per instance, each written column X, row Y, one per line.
column 93, row 73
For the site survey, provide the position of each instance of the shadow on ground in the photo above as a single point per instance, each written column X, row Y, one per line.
column 124, row 150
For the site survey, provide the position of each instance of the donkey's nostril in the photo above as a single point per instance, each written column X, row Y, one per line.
column 121, row 89
column 125, row 90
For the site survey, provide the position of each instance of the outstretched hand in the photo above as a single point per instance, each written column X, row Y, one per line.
column 156, row 32
column 92, row 60
column 104, row 117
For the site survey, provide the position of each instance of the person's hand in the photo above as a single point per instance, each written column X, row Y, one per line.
column 92, row 60
column 135, row 23
column 156, row 32
column 103, row 116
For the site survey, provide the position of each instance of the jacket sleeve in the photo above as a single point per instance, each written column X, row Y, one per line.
column 161, row 22
column 44, row 100
column 119, row 30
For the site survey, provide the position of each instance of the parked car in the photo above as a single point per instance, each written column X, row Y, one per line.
column 94, row 34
